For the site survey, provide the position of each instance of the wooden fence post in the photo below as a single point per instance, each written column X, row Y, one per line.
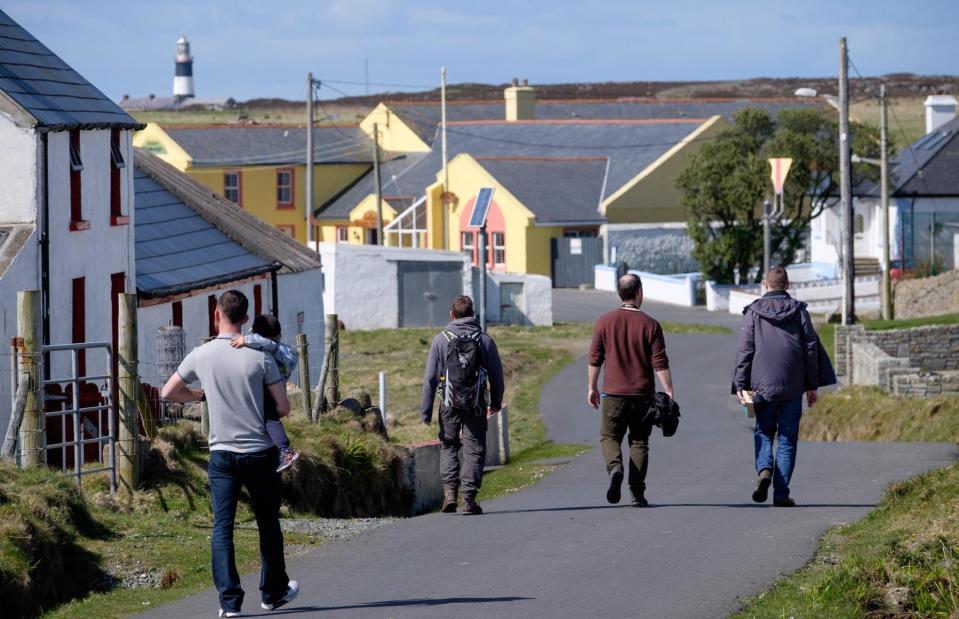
column 328, row 389
column 128, row 430
column 33, row 427
column 304, row 347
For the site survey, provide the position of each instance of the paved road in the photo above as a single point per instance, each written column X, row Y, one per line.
column 558, row 550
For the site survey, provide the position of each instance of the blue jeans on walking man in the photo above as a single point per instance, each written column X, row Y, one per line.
column 228, row 472
column 779, row 421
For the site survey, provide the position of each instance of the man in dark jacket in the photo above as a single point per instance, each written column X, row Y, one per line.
column 778, row 361
column 472, row 421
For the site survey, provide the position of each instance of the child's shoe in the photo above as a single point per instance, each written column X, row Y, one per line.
column 287, row 457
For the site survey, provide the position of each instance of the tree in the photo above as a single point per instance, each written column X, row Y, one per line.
column 724, row 184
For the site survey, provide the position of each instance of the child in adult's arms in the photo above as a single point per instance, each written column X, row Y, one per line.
column 265, row 336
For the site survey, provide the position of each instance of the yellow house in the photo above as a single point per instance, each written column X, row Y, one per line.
column 262, row 168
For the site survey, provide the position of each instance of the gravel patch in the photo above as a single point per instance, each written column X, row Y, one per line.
column 334, row 529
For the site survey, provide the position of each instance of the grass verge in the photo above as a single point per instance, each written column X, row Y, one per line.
column 902, row 560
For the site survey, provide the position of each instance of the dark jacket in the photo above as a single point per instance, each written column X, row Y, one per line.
column 435, row 365
column 778, row 354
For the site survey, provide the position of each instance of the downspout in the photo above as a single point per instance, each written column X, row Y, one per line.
column 275, row 293
column 44, row 240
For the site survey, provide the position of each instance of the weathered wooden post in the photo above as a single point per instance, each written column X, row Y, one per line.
column 303, row 345
column 32, row 429
column 128, row 432
column 328, row 389
column 504, row 435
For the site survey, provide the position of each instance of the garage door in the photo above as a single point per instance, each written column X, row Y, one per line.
column 426, row 291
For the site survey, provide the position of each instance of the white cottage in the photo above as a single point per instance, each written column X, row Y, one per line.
column 192, row 245
column 66, row 209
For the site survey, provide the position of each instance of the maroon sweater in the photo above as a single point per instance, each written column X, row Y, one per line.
column 632, row 346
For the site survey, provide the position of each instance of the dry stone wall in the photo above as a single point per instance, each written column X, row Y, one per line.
column 930, row 296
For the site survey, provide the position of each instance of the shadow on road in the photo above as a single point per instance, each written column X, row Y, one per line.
column 400, row 603
column 659, row 505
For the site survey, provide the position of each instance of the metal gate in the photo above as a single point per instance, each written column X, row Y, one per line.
column 426, row 290
column 574, row 259
column 76, row 409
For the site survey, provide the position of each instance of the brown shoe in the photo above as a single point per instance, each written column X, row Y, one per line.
column 761, row 493
column 471, row 507
column 449, row 501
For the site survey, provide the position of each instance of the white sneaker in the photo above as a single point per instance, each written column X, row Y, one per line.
column 229, row 613
column 292, row 590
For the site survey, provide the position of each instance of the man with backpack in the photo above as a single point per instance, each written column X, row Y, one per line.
column 462, row 360
column 779, row 361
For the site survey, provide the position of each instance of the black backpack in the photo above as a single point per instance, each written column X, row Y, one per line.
column 464, row 380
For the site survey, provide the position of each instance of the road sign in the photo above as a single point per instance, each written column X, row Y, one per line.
column 780, row 168
column 481, row 207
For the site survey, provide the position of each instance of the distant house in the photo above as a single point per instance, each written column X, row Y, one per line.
column 66, row 203
column 924, row 203
column 192, row 245
column 263, row 168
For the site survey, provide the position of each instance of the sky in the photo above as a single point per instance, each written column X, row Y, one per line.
column 248, row 49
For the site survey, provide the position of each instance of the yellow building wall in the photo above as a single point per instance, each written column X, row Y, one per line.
column 155, row 140
column 394, row 134
column 652, row 197
column 539, row 252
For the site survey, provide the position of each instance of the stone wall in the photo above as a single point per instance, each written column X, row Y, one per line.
column 654, row 248
column 872, row 366
column 930, row 348
column 930, row 296
column 925, row 385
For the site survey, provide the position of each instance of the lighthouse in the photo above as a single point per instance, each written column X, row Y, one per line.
column 183, row 78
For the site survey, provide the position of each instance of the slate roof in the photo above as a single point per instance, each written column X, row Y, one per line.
column 630, row 145
column 45, row 87
column 266, row 145
column 556, row 190
column 188, row 237
column 424, row 118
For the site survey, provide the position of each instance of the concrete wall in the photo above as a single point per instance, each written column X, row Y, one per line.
column 675, row 289
column 653, row 248
column 537, row 297
column 872, row 366
column 931, row 296
column 302, row 311
column 605, row 277
column 18, row 172
column 361, row 284
column 821, row 296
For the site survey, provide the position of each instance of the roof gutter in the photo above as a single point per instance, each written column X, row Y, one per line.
column 168, row 291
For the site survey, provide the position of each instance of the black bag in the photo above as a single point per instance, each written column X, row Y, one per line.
column 464, row 379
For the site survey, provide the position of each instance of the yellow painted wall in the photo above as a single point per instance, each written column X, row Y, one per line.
column 652, row 197
column 395, row 135
column 154, row 139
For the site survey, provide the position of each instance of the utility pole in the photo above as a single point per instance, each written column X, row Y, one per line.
column 309, row 159
column 767, row 242
column 884, row 180
column 845, row 190
column 446, row 176
column 379, row 188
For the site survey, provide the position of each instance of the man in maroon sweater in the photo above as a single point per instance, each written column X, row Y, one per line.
column 631, row 345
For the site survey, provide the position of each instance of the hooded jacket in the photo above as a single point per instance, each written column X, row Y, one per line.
column 778, row 354
column 489, row 359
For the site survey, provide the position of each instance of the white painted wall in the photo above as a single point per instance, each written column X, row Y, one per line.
column 676, row 289
column 22, row 274
column 302, row 294
column 18, row 172
column 361, row 284
column 537, row 305
column 604, row 278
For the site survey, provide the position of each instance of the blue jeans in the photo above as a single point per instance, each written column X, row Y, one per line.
column 228, row 471
column 780, row 418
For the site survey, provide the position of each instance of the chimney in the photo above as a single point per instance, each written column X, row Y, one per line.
column 520, row 101
column 940, row 109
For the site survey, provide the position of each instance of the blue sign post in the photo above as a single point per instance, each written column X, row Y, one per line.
column 478, row 220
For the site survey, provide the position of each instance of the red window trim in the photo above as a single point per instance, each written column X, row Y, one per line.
column 122, row 220
column 118, row 284
column 116, row 197
column 76, row 226
column 76, row 187
column 292, row 203
column 257, row 300
column 239, row 185
column 78, row 301
column 177, row 308
column 211, row 314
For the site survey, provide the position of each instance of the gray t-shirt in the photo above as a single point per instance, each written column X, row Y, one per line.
column 233, row 380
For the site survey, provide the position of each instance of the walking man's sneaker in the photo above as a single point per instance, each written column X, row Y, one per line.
column 615, row 485
column 639, row 500
column 229, row 613
column 287, row 457
column 449, row 501
column 292, row 590
column 787, row 502
column 471, row 507
column 761, row 493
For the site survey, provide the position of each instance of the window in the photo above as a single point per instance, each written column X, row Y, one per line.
column 79, row 327
column 257, row 300
column 288, row 230
column 499, row 248
column 284, row 188
column 231, row 187
column 117, row 163
column 76, row 189
column 177, row 314
column 468, row 243
column 211, row 314
column 371, row 237
column 342, row 234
